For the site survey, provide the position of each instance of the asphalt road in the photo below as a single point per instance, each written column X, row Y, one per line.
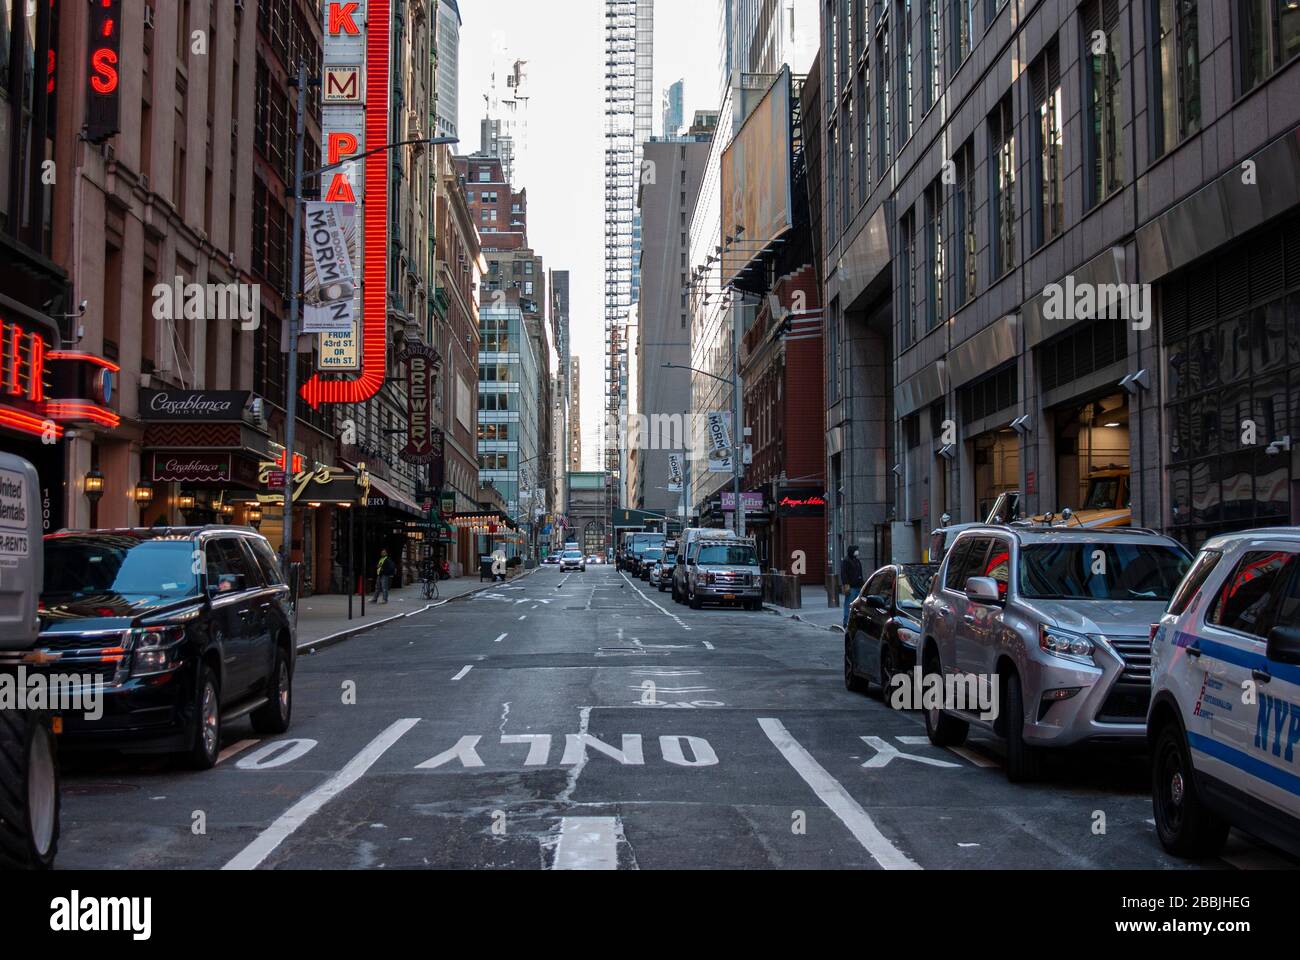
column 582, row 720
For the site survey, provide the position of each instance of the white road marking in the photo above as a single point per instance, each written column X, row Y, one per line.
column 666, row 613
column 587, row 843
column 235, row 748
column 837, row 799
column 500, row 638
column 464, row 670
column 266, row 842
column 524, row 617
column 277, row 753
column 966, row 753
column 887, row 753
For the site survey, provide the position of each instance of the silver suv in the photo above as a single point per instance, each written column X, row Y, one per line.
column 1055, row 624
column 724, row 571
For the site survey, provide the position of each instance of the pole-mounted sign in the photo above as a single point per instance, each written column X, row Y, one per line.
column 104, row 76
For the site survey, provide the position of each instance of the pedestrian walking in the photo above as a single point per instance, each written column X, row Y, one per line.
column 384, row 575
column 851, row 580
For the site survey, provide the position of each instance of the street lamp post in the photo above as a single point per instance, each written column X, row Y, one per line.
column 737, row 434
column 295, row 281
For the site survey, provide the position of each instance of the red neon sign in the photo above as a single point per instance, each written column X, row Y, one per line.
column 374, row 292
column 105, row 45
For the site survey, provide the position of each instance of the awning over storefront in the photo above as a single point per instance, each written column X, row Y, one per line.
column 384, row 494
column 483, row 522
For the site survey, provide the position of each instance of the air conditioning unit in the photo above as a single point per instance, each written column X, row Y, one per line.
column 148, row 17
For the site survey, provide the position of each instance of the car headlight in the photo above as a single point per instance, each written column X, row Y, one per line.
column 908, row 638
column 1067, row 645
column 154, row 650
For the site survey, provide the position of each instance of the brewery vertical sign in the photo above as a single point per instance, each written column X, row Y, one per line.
column 422, row 363
column 354, row 112
column 105, row 75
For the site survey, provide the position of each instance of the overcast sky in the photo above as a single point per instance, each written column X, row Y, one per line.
column 563, row 41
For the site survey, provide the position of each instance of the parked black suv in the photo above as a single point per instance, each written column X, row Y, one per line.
column 188, row 629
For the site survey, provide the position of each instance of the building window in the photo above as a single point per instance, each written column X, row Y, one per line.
column 933, row 53
column 934, row 255
column 1047, row 156
column 991, row 8
column 1175, row 73
column 864, row 133
column 963, row 30
column 904, row 71
column 1270, row 36
column 964, row 222
column 846, row 164
column 833, row 354
column 1002, row 190
column 884, row 150
column 1103, row 149
column 832, row 211
column 907, row 299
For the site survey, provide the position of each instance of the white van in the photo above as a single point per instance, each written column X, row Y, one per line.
column 1224, row 721
column 29, row 808
column 684, row 541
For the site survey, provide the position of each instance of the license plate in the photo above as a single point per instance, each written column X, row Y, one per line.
column 728, row 596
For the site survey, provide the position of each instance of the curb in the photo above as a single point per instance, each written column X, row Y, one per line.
column 312, row 646
column 779, row 611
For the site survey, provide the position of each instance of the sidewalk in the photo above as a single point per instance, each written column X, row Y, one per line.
column 814, row 611
column 323, row 620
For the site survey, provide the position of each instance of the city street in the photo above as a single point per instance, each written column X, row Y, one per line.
column 583, row 721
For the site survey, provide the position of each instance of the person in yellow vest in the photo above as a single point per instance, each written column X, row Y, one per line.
column 384, row 575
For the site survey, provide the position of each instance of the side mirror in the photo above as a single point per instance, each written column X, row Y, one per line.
column 1284, row 645
column 983, row 590
column 877, row 601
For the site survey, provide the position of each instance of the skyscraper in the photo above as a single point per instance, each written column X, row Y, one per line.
column 674, row 108
column 448, row 43
column 503, row 131
column 629, row 120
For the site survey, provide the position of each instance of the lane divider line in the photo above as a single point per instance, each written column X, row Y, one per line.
column 500, row 638
column 269, row 839
column 463, row 672
column 587, row 843
column 838, row 800
column 666, row 613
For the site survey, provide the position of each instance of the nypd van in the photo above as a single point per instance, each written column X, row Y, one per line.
column 1224, row 722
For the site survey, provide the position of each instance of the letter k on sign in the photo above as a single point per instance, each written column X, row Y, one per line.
column 342, row 19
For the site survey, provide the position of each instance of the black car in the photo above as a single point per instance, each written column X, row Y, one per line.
column 885, row 625
column 186, row 628
column 649, row 557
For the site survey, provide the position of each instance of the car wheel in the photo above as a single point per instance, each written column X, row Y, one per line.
column 1186, row 826
column 852, row 682
column 887, row 671
column 1024, row 761
column 943, row 730
column 662, row 588
column 205, row 725
column 695, row 602
column 275, row 715
column 29, row 791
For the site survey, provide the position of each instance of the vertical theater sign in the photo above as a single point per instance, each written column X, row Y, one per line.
column 354, row 104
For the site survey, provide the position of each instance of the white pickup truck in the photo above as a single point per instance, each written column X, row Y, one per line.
column 29, row 800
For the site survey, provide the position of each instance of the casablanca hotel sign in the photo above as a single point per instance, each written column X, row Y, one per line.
column 191, row 406
column 354, row 112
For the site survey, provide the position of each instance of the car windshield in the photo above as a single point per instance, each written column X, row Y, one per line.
column 572, row 555
column 653, row 553
column 82, row 566
column 913, row 586
column 1104, row 494
column 1100, row 571
column 727, row 554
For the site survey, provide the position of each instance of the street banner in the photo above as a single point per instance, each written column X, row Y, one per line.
column 719, row 435
column 674, row 469
column 720, row 465
column 330, row 287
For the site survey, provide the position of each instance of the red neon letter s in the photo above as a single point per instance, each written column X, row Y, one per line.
column 103, row 63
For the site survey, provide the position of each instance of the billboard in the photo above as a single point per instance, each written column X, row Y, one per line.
column 756, row 179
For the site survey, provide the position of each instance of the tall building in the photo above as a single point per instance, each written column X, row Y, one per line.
column 674, row 108
column 629, row 119
column 503, row 131
column 575, row 416
column 956, row 370
column 562, row 400
column 448, row 45
column 664, row 332
column 515, row 444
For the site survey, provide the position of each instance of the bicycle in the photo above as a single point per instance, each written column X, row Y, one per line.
column 429, row 585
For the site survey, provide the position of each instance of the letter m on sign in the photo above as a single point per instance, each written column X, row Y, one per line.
column 342, row 85
column 342, row 19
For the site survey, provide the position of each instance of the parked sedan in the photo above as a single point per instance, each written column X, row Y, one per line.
column 661, row 575
column 885, row 625
column 649, row 558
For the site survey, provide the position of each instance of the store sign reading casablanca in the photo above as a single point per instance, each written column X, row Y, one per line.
column 354, row 105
